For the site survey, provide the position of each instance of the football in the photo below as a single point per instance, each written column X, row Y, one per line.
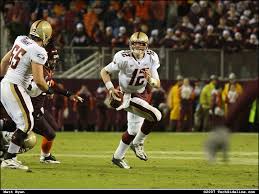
column 115, row 103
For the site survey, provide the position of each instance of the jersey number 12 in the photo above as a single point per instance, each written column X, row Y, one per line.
column 137, row 78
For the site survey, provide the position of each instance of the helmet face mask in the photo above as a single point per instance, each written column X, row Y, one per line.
column 138, row 43
column 42, row 30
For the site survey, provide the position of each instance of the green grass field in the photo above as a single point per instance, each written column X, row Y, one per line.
column 176, row 161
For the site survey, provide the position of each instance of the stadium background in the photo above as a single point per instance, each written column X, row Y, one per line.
column 194, row 39
column 87, row 34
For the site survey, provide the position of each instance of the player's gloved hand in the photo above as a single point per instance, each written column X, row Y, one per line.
column 150, row 80
column 147, row 73
column 115, row 94
column 76, row 98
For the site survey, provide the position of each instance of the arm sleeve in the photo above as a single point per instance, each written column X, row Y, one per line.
column 61, row 91
column 116, row 64
column 155, row 66
column 39, row 55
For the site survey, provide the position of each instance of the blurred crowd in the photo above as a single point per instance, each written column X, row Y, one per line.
column 186, row 106
column 178, row 24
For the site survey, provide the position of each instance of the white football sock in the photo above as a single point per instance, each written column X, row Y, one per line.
column 13, row 148
column 121, row 150
column 140, row 138
column 44, row 154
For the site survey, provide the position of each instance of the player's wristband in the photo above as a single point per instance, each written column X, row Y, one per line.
column 50, row 91
column 152, row 82
column 68, row 93
column 109, row 85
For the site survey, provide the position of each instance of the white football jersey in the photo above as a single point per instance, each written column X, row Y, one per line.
column 23, row 52
column 131, row 77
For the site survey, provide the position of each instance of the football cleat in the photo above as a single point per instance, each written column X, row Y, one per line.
column 15, row 158
column 138, row 149
column 120, row 163
column 13, row 164
column 49, row 159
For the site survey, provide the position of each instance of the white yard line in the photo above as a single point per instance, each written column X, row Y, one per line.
column 154, row 155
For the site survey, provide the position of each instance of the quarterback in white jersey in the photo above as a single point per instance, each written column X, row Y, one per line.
column 19, row 66
column 137, row 73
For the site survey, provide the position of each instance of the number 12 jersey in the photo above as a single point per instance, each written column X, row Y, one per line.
column 131, row 70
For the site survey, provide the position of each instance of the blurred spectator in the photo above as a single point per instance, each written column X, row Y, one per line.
column 122, row 39
column 98, row 34
column 108, row 36
column 129, row 12
column 142, row 10
column 238, row 43
column 185, row 42
column 198, row 85
column 217, row 106
column 173, row 102
column 117, row 23
column 242, row 26
column 157, row 13
column 186, row 25
column 202, row 114
column 80, row 38
column 169, row 39
column 90, row 20
column 226, row 42
column 201, row 27
column 254, row 116
column 69, row 21
column 232, row 80
column 154, row 39
column 198, row 42
column 60, row 104
column 183, row 18
column 194, row 13
column 232, row 16
column 211, row 38
column 186, row 99
column 222, row 26
column 84, row 109
column 101, row 108
column 252, row 43
column 172, row 14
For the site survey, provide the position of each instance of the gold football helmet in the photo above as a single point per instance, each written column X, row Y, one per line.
column 29, row 142
column 41, row 29
column 138, row 43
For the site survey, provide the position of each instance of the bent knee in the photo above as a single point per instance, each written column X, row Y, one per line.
column 49, row 135
column 156, row 116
